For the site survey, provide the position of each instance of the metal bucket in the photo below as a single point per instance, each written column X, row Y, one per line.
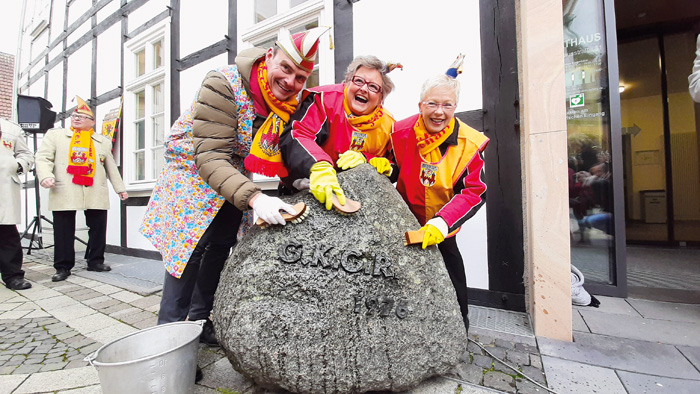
column 160, row 359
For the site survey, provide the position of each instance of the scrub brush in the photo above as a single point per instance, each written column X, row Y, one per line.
column 302, row 213
column 350, row 207
column 413, row 237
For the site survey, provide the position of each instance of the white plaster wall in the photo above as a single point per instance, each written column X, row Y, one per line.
column 134, row 239
column 191, row 79
column 109, row 60
column 79, row 75
column 58, row 16
column 199, row 26
column 147, row 11
column 426, row 39
column 108, row 10
column 55, row 92
column 77, row 9
column 78, row 32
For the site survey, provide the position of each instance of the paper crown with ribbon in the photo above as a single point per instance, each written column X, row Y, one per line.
column 301, row 47
column 83, row 108
column 392, row 66
column 456, row 66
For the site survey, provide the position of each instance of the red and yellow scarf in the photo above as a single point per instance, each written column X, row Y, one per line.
column 428, row 143
column 265, row 157
column 81, row 156
column 374, row 121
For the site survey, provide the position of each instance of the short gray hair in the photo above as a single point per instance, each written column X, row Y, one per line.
column 373, row 63
column 437, row 81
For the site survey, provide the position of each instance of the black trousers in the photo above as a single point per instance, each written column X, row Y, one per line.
column 455, row 267
column 10, row 253
column 64, row 238
column 192, row 295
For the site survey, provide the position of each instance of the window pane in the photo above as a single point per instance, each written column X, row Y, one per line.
column 158, row 161
column 312, row 81
column 158, row 54
column 158, row 130
column 265, row 9
column 158, row 98
column 140, row 62
column 139, row 166
column 294, row 3
column 140, row 136
column 140, row 104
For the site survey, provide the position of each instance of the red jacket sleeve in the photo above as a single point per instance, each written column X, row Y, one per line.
column 307, row 130
column 470, row 194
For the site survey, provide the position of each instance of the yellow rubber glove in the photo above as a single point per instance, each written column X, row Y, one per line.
column 435, row 231
column 382, row 165
column 350, row 159
column 323, row 183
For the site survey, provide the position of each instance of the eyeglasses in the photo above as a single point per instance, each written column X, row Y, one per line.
column 433, row 106
column 80, row 117
column 371, row 86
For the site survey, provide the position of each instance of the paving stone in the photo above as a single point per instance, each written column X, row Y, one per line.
column 503, row 343
column 517, row 357
column 145, row 302
column 134, row 317
column 119, row 306
column 536, row 361
column 566, row 376
column 468, row 372
column 97, row 301
column 483, row 361
column 641, row 383
column 499, row 381
column 524, row 386
column 25, row 368
column 619, row 353
column 7, row 369
column 486, row 339
column 474, row 348
column 524, row 347
column 692, row 354
column 533, row 373
column 53, row 366
column 497, row 352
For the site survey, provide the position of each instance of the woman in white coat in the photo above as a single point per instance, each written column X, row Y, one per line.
column 15, row 159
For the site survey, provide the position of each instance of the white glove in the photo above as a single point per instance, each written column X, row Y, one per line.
column 268, row 209
column 301, row 184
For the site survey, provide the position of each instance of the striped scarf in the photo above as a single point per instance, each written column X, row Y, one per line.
column 265, row 157
column 81, row 157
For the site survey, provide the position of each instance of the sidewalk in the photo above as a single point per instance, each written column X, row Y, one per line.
column 626, row 346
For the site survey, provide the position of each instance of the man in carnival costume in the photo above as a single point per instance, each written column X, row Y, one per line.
column 203, row 196
column 75, row 164
column 441, row 175
column 340, row 126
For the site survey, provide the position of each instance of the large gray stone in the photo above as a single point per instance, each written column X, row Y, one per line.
column 337, row 304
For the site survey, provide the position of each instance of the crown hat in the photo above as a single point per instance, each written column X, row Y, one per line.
column 83, row 108
column 301, row 47
column 456, row 67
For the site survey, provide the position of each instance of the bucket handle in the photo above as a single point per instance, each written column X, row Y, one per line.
column 90, row 358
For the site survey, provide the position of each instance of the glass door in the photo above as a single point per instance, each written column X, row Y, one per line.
column 594, row 145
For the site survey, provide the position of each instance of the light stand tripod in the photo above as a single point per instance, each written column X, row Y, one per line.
column 35, row 223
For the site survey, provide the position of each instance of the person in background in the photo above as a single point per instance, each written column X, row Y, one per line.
column 75, row 164
column 15, row 160
column 694, row 78
column 441, row 173
column 340, row 126
column 203, row 195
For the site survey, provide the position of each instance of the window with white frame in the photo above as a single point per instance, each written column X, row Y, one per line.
column 144, row 108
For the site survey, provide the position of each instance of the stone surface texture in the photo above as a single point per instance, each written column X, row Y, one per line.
column 338, row 303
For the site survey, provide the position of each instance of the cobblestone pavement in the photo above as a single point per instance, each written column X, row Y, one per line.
column 47, row 331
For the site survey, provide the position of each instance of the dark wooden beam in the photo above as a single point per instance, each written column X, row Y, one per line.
column 203, row 54
column 342, row 37
column 504, row 213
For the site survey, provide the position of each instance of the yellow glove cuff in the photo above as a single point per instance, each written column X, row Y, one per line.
column 433, row 235
column 350, row 159
column 382, row 165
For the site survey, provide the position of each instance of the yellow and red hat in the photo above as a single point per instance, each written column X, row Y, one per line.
column 83, row 108
column 301, row 47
